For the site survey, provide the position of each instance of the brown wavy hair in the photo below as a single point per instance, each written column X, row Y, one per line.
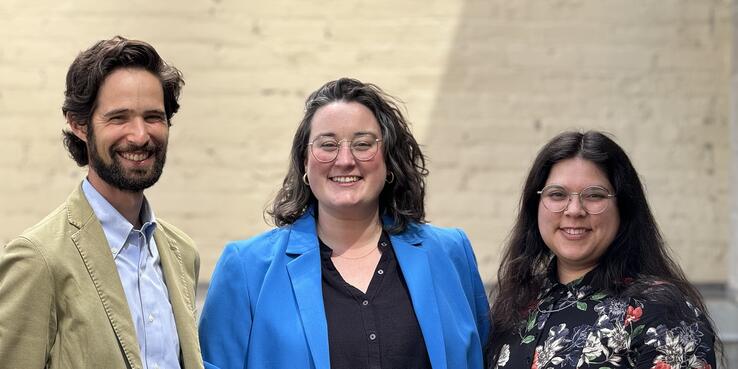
column 402, row 200
column 90, row 68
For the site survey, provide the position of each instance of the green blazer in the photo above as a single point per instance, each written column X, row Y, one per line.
column 62, row 304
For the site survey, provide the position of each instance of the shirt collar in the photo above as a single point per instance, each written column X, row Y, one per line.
column 579, row 287
column 115, row 226
column 552, row 275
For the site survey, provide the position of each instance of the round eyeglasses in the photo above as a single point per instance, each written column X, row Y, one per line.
column 594, row 199
column 325, row 148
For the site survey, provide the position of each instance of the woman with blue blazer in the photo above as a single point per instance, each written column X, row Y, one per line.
column 353, row 277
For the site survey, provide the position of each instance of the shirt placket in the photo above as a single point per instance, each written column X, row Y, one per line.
column 370, row 320
column 146, row 313
column 368, row 313
column 150, row 307
column 131, row 255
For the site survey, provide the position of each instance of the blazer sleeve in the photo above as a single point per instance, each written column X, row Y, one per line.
column 225, row 323
column 479, row 302
column 27, row 308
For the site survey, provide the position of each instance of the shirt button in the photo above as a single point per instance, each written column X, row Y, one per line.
column 372, row 336
column 380, row 271
column 365, row 302
column 151, row 318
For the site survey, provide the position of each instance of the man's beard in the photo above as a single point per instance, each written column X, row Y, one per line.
column 133, row 180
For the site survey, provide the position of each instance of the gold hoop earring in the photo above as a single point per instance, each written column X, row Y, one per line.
column 305, row 180
column 390, row 178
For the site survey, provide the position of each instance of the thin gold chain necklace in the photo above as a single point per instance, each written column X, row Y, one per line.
column 358, row 257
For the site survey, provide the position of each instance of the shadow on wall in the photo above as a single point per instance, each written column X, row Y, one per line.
column 520, row 73
column 482, row 135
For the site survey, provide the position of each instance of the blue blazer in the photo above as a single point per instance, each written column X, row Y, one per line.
column 264, row 308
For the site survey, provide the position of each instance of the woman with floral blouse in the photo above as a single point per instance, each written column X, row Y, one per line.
column 586, row 280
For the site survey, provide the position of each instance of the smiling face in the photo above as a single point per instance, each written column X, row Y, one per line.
column 128, row 134
column 345, row 185
column 578, row 239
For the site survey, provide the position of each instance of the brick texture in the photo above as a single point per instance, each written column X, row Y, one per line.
column 485, row 82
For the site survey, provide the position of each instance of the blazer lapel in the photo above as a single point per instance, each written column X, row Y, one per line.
column 415, row 268
column 305, row 276
column 95, row 252
column 180, row 296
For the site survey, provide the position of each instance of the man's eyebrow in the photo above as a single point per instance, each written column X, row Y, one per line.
column 156, row 111
column 115, row 112
column 125, row 111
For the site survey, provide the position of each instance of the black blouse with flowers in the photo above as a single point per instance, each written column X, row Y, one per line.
column 576, row 326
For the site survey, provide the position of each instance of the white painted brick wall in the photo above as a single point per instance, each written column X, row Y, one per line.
column 486, row 83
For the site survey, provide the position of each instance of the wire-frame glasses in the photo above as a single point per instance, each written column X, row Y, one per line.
column 594, row 199
column 325, row 148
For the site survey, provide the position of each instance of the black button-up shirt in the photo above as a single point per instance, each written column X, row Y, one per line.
column 376, row 329
column 575, row 326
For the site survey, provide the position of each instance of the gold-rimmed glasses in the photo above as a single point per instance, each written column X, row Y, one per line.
column 325, row 148
column 593, row 199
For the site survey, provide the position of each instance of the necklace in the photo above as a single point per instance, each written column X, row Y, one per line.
column 358, row 257
column 560, row 308
column 573, row 296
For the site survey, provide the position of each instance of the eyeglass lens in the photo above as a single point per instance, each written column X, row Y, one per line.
column 593, row 199
column 325, row 148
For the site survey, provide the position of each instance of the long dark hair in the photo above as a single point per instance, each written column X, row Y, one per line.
column 402, row 199
column 90, row 68
column 638, row 249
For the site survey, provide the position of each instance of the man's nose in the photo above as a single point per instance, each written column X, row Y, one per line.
column 137, row 131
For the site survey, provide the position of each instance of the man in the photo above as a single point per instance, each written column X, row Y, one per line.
column 101, row 282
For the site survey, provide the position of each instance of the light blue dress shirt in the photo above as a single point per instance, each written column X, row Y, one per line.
column 139, row 267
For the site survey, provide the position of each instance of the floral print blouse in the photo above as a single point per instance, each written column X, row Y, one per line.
column 575, row 326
